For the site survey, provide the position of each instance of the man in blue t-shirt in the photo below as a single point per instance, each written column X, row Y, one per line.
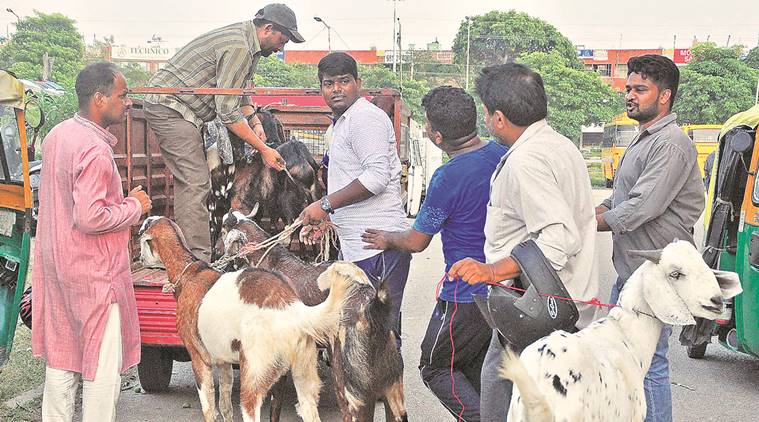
column 455, row 206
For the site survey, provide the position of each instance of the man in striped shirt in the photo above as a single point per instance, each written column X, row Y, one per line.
column 223, row 58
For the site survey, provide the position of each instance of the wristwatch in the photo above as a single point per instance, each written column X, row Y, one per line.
column 326, row 206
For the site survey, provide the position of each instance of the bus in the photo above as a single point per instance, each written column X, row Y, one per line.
column 616, row 137
column 705, row 137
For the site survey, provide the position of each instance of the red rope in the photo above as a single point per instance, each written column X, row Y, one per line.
column 593, row 301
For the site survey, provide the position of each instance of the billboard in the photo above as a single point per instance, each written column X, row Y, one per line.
column 682, row 56
column 140, row 53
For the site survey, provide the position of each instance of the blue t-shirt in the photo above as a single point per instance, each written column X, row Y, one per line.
column 456, row 206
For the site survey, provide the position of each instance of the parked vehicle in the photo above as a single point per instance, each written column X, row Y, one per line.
column 705, row 137
column 616, row 137
column 731, row 242
column 15, row 208
column 305, row 117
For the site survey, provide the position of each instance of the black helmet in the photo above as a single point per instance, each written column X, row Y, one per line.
column 521, row 319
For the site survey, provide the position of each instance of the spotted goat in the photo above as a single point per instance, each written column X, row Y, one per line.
column 597, row 373
column 247, row 181
column 365, row 363
column 251, row 317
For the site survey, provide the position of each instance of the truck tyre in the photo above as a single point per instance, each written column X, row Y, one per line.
column 154, row 369
column 697, row 352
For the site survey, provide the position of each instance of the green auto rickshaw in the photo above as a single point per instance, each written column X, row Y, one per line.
column 15, row 207
column 731, row 240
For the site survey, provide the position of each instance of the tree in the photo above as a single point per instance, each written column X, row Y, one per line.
column 715, row 85
column 272, row 72
column 378, row 76
column 752, row 59
column 54, row 34
column 499, row 37
column 575, row 97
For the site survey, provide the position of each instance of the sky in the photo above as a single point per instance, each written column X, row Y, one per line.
column 360, row 25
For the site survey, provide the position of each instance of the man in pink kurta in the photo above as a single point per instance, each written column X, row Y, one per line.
column 81, row 262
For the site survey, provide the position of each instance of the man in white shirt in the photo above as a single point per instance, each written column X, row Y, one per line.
column 363, row 188
column 540, row 191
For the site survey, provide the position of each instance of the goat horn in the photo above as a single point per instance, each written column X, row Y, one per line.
column 651, row 255
column 253, row 212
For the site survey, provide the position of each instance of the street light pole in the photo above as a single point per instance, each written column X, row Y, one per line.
column 329, row 32
column 468, row 31
column 395, row 34
column 18, row 19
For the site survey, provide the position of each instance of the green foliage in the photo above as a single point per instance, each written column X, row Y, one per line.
column 499, row 37
column 41, row 33
column 575, row 97
column 272, row 72
column 752, row 59
column 135, row 74
column 715, row 85
column 378, row 76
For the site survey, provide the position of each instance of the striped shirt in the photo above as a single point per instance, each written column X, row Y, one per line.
column 363, row 148
column 223, row 58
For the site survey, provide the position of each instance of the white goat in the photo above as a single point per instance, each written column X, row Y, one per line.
column 597, row 373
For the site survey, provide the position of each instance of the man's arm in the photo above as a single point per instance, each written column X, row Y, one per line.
column 474, row 272
column 92, row 214
column 409, row 240
column 601, row 225
column 661, row 180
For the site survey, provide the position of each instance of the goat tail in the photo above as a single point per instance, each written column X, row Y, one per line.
column 535, row 408
column 342, row 279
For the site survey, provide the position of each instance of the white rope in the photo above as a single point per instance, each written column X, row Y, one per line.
column 267, row 244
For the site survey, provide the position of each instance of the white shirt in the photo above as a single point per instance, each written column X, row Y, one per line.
column 541, row 190
column 363, row 147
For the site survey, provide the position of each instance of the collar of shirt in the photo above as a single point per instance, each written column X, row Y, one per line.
column 101, row 133
column 358, row 104
column 526, row 135
column 252, row 36
column 656, row 127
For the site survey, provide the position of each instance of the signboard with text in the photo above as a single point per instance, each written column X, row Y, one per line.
column 682, row 56
column 140, row 53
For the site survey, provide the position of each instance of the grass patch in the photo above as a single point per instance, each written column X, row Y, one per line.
column 22, row 372
column 597, row 179
column 30, row 412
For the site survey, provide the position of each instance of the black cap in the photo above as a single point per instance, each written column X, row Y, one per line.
column 283, row 16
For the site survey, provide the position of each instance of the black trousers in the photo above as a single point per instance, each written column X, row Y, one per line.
column 471, row 336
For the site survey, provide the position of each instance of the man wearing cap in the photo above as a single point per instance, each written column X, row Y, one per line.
column 223, row 58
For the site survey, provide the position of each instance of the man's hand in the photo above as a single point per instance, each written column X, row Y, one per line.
column 312, row 234
column 145, row 203
column 375, row 239
column 472, row 271
column 313, row 214
column 272, row 159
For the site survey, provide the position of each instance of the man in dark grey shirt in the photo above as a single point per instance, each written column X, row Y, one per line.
column 658, row 196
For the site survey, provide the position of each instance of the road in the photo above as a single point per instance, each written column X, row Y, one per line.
column 720, row 387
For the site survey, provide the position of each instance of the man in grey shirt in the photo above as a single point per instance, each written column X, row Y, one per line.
column 658, row 196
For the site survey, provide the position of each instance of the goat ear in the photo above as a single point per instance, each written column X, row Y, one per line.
column 665, row 302
column 253, row 212
column 729, row 283
column 651, row 255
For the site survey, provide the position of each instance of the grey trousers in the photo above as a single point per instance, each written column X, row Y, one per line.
column 181, row 145
column 495, row 394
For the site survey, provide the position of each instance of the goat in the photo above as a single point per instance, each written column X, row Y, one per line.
column 597, row 373
column 248, row 181
column 366, row 364
column 251, row 317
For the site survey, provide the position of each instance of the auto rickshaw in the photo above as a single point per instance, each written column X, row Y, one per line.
column 15, row 207
column 731, row 242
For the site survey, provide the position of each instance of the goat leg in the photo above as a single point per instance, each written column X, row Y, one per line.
column 338, row 377
column 204, row 383
column 226, row 378
column 306, row 380
column 395, row 406
column 278, row 393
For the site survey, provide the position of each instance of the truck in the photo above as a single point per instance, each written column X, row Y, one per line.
column 305, row 117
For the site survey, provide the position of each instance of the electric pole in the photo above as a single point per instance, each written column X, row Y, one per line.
column 468, row 33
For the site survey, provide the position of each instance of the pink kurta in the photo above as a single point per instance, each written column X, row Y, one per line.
column 81, row 261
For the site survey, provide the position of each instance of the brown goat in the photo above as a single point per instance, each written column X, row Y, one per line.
column 251, row 317
column 366, row 364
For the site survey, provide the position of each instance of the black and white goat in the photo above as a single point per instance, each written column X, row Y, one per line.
column 597, row 373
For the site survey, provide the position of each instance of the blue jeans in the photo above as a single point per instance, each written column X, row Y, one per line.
column 656, row 384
